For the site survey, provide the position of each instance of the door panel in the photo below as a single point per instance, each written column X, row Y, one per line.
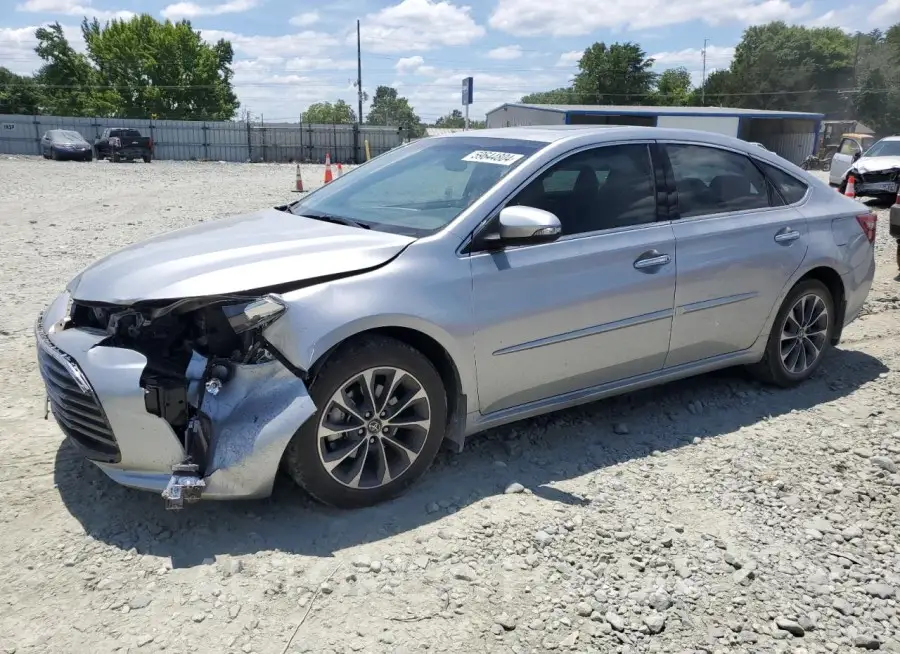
column 842, row 160
column 732, row 266
column 572, row 314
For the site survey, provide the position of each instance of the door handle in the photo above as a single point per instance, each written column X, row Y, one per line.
column 787, row 235
column 651, row 259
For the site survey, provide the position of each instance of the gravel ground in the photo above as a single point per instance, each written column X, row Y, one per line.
column 711, row 515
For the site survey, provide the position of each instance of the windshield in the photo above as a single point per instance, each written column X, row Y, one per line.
column 884, row 149
column 68, row 136
column 417, row 189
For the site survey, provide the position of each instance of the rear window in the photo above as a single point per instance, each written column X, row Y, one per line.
column 787, row 186
column 125, row 133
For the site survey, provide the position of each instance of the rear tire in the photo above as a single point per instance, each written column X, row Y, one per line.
column 898, row 255
column 390, row 435
column 147, row 158
column 800, row 337
column 826, row 166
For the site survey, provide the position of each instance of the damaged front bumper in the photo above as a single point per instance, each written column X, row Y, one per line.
column 94, row 392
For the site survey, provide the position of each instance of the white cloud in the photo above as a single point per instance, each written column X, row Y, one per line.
column 193, row 10
column 539, row 17
column 886, row 13
column 692, row 58
column 301, row 44
column 319, row 63
column 417, row 25
column 409, row 64
column 17, row 47
column 305, row 19
column 505, row 52
column 71, row 8
column 568, row 59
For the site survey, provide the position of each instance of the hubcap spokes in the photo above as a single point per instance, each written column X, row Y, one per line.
column 374, row 427
column 803, row 333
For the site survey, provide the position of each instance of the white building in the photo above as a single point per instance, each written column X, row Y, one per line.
column 792, row 135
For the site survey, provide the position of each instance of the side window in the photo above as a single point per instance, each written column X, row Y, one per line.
column 710, row 180
column 789, row 187
column 849, row 146
column 603, row 188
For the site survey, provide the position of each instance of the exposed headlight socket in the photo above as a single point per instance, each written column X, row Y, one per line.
column 256, row 313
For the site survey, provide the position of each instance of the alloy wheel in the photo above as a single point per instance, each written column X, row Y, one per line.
column 374, row 427
column 804, row 333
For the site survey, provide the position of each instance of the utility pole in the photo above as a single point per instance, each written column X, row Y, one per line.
column 359, row 91
column 703, row 77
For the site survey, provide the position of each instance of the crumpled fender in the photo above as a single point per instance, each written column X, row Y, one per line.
column 253, row 418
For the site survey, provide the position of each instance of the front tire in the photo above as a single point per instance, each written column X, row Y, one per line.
column 898, row 255
column 800, row 336
column 382, row 414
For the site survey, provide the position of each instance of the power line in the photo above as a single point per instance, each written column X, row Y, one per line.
column 528, row 89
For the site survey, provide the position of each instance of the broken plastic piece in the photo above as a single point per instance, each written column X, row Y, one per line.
column 185, row 485
column 213, row 386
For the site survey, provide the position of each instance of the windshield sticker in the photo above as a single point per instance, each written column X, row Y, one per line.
column 487, row 156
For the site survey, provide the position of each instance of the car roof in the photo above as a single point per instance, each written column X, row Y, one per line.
column 598, row 133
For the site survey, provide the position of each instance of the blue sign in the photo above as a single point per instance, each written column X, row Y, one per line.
column 467, row 88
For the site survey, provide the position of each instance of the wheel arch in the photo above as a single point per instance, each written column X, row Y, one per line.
column 824, row 272
column 433, row 350
column 835, row 285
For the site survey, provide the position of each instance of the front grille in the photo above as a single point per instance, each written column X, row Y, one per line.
column 875, row 178
column 74, row 403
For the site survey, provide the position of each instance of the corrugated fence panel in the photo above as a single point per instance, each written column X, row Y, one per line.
column 185, row 140
column 182, row 140
column 228, row 141
column 19, row 135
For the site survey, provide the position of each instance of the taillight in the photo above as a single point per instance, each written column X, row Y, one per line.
column 868, row 222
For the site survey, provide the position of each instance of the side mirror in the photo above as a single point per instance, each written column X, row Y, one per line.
column 520, row 225
column 857, row 155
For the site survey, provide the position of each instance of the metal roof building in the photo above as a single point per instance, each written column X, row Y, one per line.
column 793, row 135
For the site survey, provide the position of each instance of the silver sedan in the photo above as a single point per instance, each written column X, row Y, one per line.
column 450, row 285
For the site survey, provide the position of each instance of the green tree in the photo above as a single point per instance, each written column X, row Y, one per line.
column 619, row 74
column 561, row 95
column 18, row 94
column 797, row 68
column 389, row 108
column 673, row 88
column 70, row 85
column 718, row 91
column 340, row 113
column 456, row 120
column 163, row 69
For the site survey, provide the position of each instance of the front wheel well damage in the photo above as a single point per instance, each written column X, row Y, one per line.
column 431, row 350
column 835, row 285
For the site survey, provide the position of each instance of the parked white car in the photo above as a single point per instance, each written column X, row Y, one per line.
column 851, row 149
column 876, row 171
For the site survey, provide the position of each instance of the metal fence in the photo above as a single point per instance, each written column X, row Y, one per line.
column 185, row 140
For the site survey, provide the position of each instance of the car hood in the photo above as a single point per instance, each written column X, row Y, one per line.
column 240, row 253
column 876, row 164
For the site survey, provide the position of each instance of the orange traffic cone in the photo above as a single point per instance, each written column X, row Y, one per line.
column 340, row 169
column 328, row 176
column 299, row 183
column 850, row 191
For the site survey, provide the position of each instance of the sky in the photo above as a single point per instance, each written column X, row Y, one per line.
column 291, row 54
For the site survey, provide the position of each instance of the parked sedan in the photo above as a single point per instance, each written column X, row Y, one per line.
column 450, row 285
column 58, row 144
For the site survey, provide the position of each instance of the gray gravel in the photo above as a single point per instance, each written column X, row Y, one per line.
column 711, row 515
